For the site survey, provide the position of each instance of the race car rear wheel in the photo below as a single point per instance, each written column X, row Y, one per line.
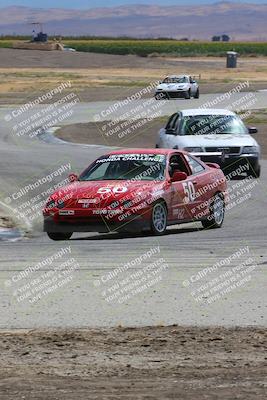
column 159, row 218
column 197, row 94
column 217, row 212
column 59, row 236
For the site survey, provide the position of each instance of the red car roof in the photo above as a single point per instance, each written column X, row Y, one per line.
column 145, row 151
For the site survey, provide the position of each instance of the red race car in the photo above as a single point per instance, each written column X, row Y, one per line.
column 138, row 190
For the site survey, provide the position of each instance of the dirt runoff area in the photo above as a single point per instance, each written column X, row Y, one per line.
column 134, row 363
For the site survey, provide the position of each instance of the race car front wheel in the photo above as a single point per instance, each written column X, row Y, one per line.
column 159, row 218
column 188, row 95
column 197, row 94
column 160, row 96
column 59, row 236
column 217, row 211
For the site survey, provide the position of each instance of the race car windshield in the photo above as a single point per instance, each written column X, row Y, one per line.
column 175, row 80
column 136, row 167
column 212, row 125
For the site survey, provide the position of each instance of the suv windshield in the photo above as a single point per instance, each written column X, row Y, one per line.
column 139, row 167
column 212, row 125
column 177, row 79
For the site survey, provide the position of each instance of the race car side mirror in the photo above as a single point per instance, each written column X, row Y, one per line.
column 73, row 177
column 213, row 165
column 252, row 130
column 179, row 176
column 170, row 131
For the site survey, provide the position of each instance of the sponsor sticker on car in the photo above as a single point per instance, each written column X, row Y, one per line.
column 88, row 201
column 66, row 212
column 132, row 157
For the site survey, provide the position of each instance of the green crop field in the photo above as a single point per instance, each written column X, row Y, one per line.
column 145, row 48
column 6, row 43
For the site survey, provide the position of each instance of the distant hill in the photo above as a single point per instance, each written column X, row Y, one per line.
column 240, row 21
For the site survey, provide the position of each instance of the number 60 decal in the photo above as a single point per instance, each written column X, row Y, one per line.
column 115, row 190
column 189, row 191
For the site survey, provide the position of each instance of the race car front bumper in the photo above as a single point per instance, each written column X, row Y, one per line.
column 178, row 94
column 135, row 223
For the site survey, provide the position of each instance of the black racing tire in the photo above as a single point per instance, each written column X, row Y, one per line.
column 197, row 94
column 217, row 212
column 160, row 96
column 187, row 95
column 255, row 173
column 159, row 218
column 59, row 235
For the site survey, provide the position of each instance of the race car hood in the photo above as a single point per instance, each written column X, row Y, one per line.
column 215, row 140
column 172, row 86
column 103, row 193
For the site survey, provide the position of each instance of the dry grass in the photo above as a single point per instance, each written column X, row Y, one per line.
column 24, row 79
column 211, row 70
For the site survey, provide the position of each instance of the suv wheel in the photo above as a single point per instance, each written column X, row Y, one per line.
column 256, row 173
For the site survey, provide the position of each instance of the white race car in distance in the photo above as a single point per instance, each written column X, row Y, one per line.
column 182, row 86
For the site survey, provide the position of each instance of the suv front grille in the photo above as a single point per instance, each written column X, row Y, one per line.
column 226, row 150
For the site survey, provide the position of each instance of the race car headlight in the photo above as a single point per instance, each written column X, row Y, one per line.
column 50, row 204
column 54, row 204
column 115, row 204
column 60, row 204
column 127, row 204
column 193, row 149
column 250, row 150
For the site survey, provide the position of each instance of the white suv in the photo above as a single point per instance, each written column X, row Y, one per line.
column 209, row 133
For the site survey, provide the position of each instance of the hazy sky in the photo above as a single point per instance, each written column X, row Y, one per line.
column 105, row 3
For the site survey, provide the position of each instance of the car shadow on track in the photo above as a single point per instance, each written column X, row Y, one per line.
column 120, row 236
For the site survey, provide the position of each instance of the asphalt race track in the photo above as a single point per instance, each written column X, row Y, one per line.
column 184, row 251
column 92, row 112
